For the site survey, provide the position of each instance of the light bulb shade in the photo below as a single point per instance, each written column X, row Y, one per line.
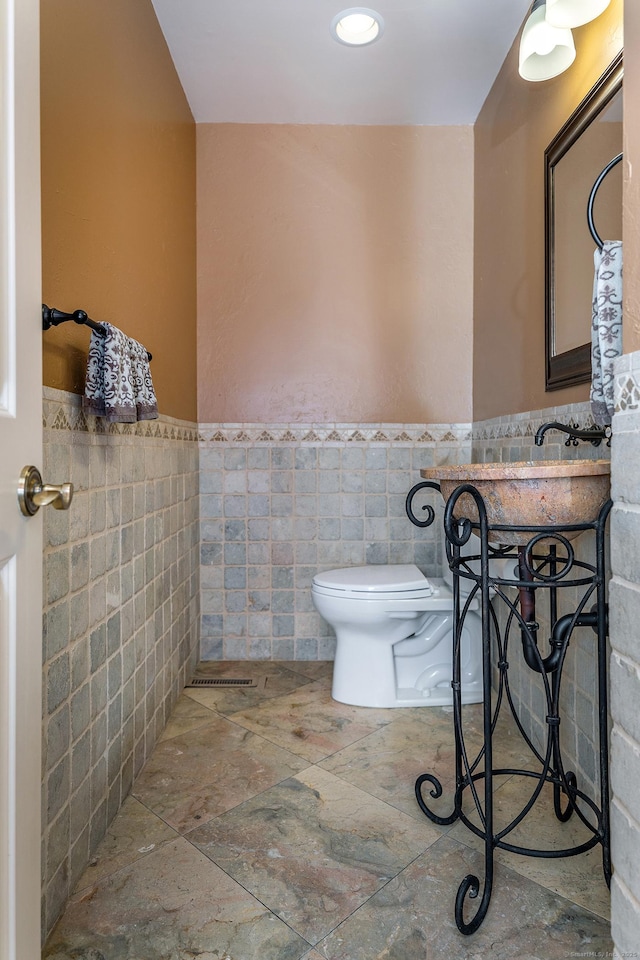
column 573, row 13
column 545, row 51
column 357, row 26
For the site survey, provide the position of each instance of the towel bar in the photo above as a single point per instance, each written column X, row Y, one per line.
column 52, row 318
column 592, row 197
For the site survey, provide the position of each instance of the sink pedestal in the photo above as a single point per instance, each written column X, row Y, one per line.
column 544, row 565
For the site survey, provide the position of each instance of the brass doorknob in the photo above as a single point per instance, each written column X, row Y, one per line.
column 33, row 493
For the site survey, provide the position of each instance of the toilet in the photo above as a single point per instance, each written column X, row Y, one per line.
column 394, row 632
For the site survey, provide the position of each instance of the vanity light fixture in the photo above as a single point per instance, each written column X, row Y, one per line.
column 357, row 26
column 545, row 51
column 573, row 13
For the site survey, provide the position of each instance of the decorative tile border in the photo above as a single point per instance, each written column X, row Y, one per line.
column 517, row 426
column 63, row 411
column 332, row 434
column 627, row 383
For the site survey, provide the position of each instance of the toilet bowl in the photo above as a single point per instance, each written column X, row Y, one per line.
column 394, row 632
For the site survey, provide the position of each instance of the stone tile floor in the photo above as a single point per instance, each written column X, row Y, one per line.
column 272, row 823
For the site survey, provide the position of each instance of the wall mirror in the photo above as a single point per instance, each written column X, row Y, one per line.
column 588, row 141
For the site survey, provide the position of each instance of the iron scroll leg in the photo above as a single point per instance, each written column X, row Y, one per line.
column 470, row 885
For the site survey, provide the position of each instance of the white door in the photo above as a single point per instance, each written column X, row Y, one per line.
column 20, row 444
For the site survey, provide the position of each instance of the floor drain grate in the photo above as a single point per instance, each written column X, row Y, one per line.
column 221, row 682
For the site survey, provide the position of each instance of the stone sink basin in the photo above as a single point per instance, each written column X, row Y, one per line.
column 529, row 493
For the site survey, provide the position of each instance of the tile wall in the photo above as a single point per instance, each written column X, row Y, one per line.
column 121, row 618
column 280, row 502
column 511, row 438
column 625, row 659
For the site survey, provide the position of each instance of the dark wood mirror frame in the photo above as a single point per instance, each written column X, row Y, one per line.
column 573, row 366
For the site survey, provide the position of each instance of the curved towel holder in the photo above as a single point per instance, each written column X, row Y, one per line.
column 592, row 197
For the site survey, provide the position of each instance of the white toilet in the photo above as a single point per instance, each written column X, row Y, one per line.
column 394, row 630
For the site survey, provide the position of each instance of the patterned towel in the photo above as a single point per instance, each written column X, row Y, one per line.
column 606, row 328
column 118, row 383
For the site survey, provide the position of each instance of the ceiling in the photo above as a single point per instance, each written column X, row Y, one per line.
column 275, row 61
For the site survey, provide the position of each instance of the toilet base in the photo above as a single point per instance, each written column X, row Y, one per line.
column 410, row 697
column 412, row 672
column 349, row 685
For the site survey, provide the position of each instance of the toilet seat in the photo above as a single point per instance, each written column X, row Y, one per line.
column 403, row 581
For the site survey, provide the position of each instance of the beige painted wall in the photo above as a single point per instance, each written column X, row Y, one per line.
column 118, row 192
column 516, row 124
column 334, row 273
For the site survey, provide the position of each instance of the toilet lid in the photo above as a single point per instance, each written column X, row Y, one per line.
column 375, row 578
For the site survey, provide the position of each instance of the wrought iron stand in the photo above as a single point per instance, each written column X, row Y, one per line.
column 544, row 564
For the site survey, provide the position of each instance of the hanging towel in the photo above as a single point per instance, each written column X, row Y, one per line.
column 606, row 328
column 118, row 383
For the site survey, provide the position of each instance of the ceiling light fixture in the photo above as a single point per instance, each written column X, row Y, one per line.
column 573, row 13
column 545, row 51
column 357, row 26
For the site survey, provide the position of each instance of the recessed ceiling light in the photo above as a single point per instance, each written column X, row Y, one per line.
column 357, row 26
